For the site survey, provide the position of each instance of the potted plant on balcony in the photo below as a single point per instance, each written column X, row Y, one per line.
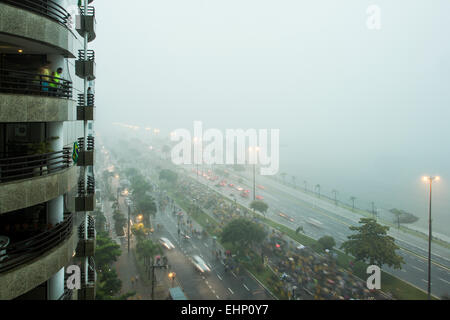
column 41, row 148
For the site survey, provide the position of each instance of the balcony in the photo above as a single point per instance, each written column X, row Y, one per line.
column 85, row 201
column 86, row 23
column 29, row 180
column 86, row 247
column 85, row 65
column 26, row 264
column 86, row 157
column 87, row 291
column 31, row 97
column 42, row 23
column 85, row 110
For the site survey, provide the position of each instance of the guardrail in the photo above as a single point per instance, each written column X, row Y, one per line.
column 90, row 143
column 26, row 167
column 19, row 82
column 24, row 251
column 90, row 100
column 47, row 8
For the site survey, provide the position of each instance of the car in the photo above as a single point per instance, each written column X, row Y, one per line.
column 239, row 188
column 200, row 264
column 259, row 197
column 231, row 185
column 166, row 243
column 260, row 187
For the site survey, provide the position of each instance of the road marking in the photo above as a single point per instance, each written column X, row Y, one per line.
column 421, row 270
column 219, row 277
column 444, row 280
column 205, row 245
column 217, row 297
column 246, row 287
column 426, row 281
column 231, row 291
column 233, row 274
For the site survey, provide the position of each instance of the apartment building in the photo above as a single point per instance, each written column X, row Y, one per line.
column 47, row 185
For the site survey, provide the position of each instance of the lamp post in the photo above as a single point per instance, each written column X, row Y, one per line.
column 254, row 158
column 172, row 277
column 429, row 180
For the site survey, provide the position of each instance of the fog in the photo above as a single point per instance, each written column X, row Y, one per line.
column 362, row 111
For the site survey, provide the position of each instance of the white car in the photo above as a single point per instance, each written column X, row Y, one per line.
column 166, row 243
column 200, row 264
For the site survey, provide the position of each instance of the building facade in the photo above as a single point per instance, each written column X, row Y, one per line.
column 47, row 185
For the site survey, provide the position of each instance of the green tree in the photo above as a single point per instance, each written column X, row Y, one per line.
column 327, row 242
column 243, row 233
column 148, row 249
column 259, row 206
column 168, row 175
column 147, row 207
column 371, row 244
column 299, row 229
column 106, row 252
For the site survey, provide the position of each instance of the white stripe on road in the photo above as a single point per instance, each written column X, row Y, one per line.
column 205, row 245
column 231, row 291
column 217, row 297
column 219, row 277
column 233, row 274
column 418, row 269
column 246, row 287
column 444, row 280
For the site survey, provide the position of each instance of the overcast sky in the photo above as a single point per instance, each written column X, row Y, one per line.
column 358, row 109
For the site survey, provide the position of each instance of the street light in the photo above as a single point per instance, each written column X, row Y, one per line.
column 429, row 180
column 172, row 276
column 254, row 149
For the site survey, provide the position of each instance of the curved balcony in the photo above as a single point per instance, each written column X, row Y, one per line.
column 29, row 180
column 30, row 97
column 26, row 264
column 86, row 247
column 86, row 23
column 19, row 82
column 43, row 22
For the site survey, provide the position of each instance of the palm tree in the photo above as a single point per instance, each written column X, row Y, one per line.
column 352, row 198
column 335, row 192
column 318, row 188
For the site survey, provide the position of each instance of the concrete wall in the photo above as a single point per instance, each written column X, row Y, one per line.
column 37, row 28
column 29, row 108
column 29, row 192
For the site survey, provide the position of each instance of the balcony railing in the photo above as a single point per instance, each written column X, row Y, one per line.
column 20, row 82
column 90, row 229
column 90, row 100
column 47, row 8
column 90, row 144
column 92, row 273
column 90, row 11
column 21, row 252
column 26, row 167
column 86, row 55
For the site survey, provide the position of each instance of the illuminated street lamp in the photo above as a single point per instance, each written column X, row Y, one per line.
column 172, row 276
column 256, row 150
column 429, row 180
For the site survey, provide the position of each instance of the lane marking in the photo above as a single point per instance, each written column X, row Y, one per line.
column 217, row 297
column 418, row 269
column 231, row 291
column 246, row 287
column 219, row 277
column 233, row 274
column 444, row 280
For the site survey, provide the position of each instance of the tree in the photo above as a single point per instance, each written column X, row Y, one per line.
column 147, row 206
column 168, row 175
column 259, row 206
column 372, row 244
column 327, row 242
column 106, row 251
column 148, row 249
column 243, row 233
column 299, row 229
